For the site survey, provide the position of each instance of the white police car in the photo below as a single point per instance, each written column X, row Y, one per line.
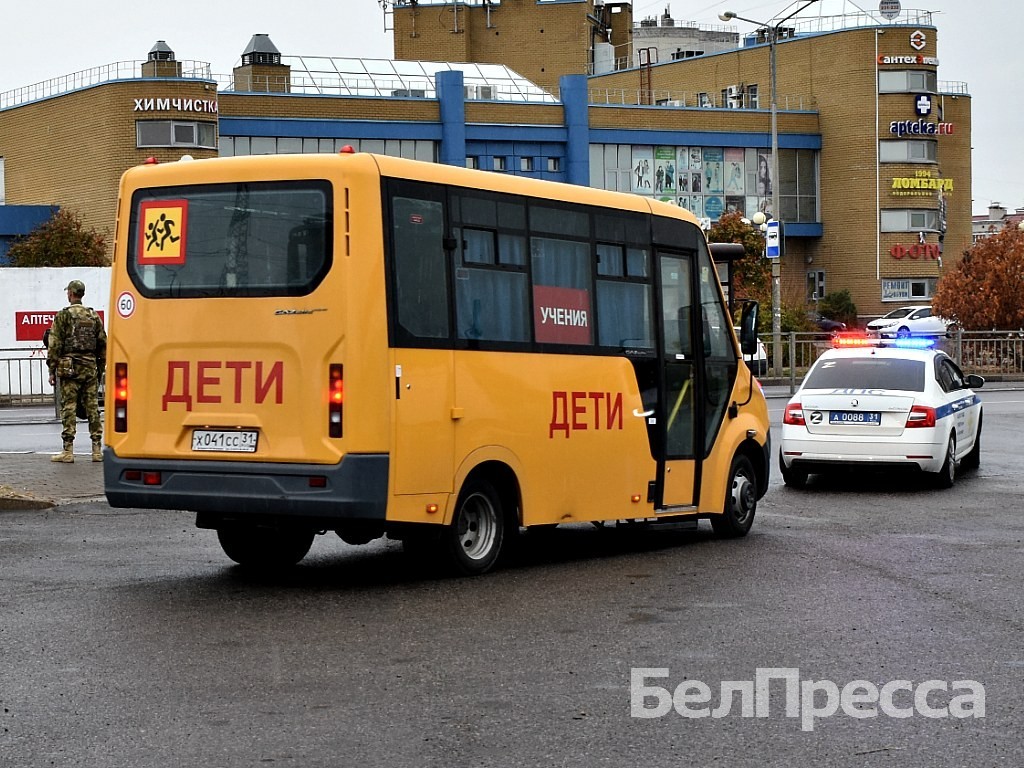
column 889, row 405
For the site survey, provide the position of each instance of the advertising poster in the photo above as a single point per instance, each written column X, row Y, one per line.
column 696, row 205
column 714, row 182
column 683, row 184
column 714, row 207
column 752, row 206
column 696, row 182
column 764, row 174
column 695, row 159
column 734, row 181
column 736, row 204
column 664, row 170
column 643, row 170
column 682, row 160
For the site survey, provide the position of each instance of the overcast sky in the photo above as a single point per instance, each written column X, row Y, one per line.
column 978, row 43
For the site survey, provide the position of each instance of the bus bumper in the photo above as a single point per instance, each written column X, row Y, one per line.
column 356, row 488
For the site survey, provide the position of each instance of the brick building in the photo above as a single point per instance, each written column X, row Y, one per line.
column 874, row 160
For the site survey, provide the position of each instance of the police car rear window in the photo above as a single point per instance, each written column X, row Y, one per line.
column 868, row 373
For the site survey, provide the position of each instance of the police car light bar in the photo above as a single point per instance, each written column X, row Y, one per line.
column 853, row 340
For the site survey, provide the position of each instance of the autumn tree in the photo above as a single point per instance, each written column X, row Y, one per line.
column 61, row 241
column 752, row 274
column 984, row 290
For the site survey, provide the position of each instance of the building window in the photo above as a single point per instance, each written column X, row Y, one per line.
column 752, row 100
column 269, row 145
column 175, row 133
column 908, row 289
column 704, row 100
column 500, row 164
column 815, row 284
column 554, row 165
column 907, row 151
column 909, row 220
column 710, row 181
column 472, row 162
column 907, row 81
column 526, row 164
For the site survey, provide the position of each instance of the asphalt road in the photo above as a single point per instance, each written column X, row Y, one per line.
column 128, row 639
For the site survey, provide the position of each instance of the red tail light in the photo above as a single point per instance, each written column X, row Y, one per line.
column 335, row 400
column 921, row 416
column 794, row 415
column 120, row 397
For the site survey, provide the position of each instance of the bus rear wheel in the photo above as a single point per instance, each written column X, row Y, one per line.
column 740, row 500
column 269, row 548
column 474, row 540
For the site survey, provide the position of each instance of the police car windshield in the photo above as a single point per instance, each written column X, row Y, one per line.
column 867, row 373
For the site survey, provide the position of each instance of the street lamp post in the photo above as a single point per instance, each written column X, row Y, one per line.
column 773, row 39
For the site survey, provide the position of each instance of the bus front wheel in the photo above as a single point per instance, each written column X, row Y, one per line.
column 740, row 500
column 256, row 547
column 473, row 541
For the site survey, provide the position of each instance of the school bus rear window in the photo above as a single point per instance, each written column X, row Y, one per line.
column 244, row 239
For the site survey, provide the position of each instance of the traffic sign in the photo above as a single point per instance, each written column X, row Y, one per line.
column 773, row 240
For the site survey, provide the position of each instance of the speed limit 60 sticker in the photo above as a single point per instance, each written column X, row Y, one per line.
column 126, row 304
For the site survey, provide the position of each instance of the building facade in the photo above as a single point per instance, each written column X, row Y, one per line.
column 874, row 151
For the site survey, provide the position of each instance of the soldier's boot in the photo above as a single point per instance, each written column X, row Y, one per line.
column 97, row 451
column 66, row 456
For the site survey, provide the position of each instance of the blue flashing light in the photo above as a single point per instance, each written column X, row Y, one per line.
column 912, row 342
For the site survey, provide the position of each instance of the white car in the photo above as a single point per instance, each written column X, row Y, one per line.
column 886, row 406
column 908, row 321
column 757, row 362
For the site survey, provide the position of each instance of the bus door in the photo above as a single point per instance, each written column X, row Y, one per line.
column 424, row 432
column 677, row 473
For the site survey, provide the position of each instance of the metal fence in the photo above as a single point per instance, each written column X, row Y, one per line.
column 24, row 380
column 993, row 354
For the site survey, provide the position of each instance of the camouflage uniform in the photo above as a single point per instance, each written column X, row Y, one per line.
column 77, row 356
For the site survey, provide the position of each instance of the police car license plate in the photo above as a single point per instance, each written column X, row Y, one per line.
column 854, row 417
column 227, row 440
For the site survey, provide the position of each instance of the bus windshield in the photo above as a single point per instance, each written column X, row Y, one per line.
column 245, row 239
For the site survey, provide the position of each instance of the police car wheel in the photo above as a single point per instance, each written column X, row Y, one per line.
column 973, row 459
column 740, row 501
column 792, row 477
column 947, row 474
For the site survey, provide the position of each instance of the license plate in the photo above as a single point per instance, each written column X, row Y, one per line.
column 854, row 417
column 225, row 440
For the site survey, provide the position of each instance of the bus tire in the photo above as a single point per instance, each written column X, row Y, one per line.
column 740, row 500
column 474, row 540
column 269, row 548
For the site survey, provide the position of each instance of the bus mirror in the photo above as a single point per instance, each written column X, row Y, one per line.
column 748, row 327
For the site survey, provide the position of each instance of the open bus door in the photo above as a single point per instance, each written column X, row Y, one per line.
column 677, row 475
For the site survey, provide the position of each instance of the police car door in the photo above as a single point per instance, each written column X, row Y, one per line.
column 961, row 404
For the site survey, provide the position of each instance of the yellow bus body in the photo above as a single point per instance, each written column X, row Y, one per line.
column 568, row 430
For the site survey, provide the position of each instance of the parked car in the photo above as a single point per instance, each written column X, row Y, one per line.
column 885, row 405
column 908, row 321
column 757, row 362
column 825, row 323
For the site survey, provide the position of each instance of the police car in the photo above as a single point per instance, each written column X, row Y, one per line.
column 890, row 405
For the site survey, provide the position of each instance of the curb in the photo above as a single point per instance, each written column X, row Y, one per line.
column 12, row 500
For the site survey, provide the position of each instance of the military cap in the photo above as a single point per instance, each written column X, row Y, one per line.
column 77, row 287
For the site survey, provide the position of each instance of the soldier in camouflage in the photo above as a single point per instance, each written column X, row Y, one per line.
column 77, row 354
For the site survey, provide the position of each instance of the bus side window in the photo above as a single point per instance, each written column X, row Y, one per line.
column 421, row 281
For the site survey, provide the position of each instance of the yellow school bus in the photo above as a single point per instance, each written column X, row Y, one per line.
column 381, row 347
